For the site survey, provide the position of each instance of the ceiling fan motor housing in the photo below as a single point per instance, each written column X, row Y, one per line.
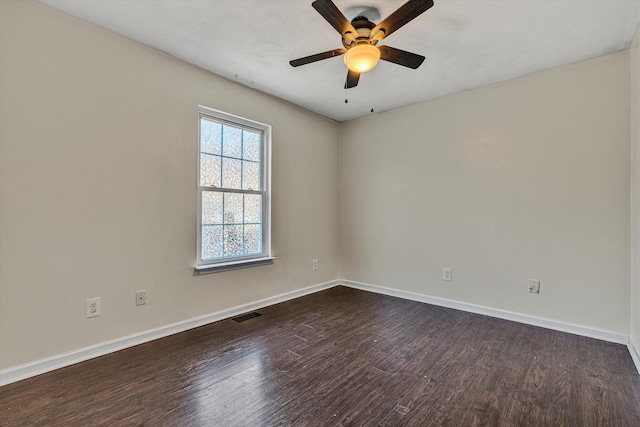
column 363, row 26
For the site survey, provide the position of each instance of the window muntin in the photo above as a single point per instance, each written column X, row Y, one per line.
column 233, row 181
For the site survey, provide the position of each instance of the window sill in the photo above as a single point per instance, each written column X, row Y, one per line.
column 233, row 265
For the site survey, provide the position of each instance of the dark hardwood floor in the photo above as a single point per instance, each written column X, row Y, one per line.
column 342, row 357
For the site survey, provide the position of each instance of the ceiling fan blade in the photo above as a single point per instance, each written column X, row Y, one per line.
column 404, row 14
column 332, row 14
column 317, row 57
column 401, row 57
column 352, row 79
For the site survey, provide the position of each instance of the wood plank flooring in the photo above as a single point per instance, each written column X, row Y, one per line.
column 342, row 357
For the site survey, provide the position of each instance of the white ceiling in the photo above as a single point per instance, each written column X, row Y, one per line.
column 467, row 43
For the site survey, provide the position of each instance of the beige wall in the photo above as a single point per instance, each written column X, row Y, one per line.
column 98, row 140
column 635, row 191
column 525, row 179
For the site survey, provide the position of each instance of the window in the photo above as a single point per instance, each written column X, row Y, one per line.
column 233, row 192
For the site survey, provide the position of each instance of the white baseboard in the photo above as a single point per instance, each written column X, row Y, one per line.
column 635, row 353
column 27, row 370
column 493, row 312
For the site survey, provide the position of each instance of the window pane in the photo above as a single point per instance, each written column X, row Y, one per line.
column 250, row 175
column 231, row 172
column 232, row 240
column 209, row 170
column 210, row 137
column 233, row 210
column 211, row 208
column 231, row 141
column 251, row 146
column 231, row 224
column 252, row 239
column 212, row 242
column 252, row 208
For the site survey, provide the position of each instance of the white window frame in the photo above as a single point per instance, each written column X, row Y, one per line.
column 265, row 257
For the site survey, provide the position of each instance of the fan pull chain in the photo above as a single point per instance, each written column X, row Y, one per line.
column 346, row 100
column 372, row 88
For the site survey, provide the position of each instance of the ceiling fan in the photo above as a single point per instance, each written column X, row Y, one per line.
column 360, row 37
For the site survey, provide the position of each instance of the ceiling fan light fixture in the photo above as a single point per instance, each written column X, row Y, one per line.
column 362, row 58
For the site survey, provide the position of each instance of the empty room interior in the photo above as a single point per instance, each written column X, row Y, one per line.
column 449, row 238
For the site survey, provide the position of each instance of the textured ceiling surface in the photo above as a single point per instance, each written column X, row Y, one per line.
column 467, row 43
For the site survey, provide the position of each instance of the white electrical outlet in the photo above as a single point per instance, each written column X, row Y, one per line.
column 314, row 264
column 141, row 297
column 94, row 307
column 534, row 286
column 447, row 274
